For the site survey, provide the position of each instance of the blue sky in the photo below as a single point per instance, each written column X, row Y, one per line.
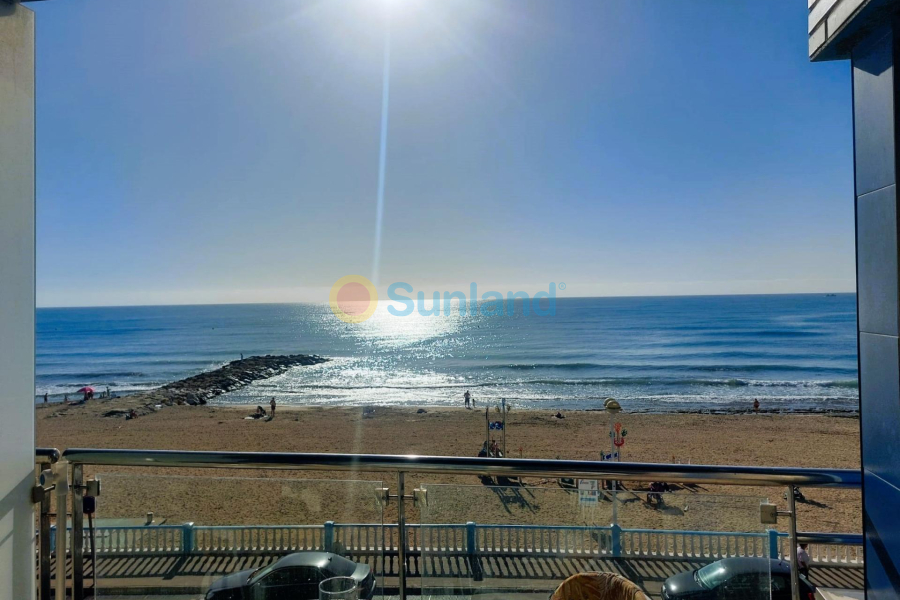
column 226, row 151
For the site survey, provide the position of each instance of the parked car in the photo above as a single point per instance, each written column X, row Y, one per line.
column 294, row 577
column 743, row 578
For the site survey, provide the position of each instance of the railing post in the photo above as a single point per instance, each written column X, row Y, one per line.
column 792, row 551
column 328, row 536
column 472, row 550
column 61, row 476
column 77, row 532
column 615, row 533
column 401, row 530
column 471, row 540
column 187, row 538
column 773, row 543
column 45, row 545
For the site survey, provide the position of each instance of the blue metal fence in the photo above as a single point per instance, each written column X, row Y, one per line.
column 470, row 539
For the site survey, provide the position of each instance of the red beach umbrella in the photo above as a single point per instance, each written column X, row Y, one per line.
column 86, row 389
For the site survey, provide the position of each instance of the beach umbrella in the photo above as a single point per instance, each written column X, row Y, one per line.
column 85, row 390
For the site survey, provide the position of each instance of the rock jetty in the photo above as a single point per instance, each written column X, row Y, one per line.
column 199, row 389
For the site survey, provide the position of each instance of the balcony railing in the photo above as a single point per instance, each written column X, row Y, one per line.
column 361, row 539
column 465, row 539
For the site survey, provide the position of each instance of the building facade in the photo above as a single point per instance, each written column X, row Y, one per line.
column 867, row 33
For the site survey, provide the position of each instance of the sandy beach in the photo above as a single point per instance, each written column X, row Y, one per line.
column 281, row 497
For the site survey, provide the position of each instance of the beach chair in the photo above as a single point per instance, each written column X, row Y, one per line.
column 598, row 586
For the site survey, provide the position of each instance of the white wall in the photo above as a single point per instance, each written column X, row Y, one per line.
column 17, row 563
column 826, row 20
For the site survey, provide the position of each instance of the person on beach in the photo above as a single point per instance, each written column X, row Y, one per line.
column 656, row 490
column 467, row 396
column 803, row 560
column 46, row 397
column 272, row 404
column 66, row 399
column 495, row 450
column 756, row 405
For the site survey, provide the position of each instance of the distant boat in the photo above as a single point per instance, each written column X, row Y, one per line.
column 830, row 295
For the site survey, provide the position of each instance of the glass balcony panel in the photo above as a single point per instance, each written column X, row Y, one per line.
column 522, row 541
column 189, row 537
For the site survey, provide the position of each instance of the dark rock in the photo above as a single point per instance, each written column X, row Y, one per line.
column 199, row 389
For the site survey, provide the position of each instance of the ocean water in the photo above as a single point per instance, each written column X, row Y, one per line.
column 792, row 352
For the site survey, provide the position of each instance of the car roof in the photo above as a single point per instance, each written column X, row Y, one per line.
column 319, row 560
column 754, row 564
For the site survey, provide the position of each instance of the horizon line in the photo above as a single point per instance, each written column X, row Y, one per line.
column 558, row 298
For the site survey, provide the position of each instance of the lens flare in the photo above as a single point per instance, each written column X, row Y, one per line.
column 353, row 299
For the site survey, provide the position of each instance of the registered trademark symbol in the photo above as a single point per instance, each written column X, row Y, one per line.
column 562, row 285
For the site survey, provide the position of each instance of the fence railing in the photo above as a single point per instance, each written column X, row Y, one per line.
column 255, row 539
column 370, row 539
column 543, row 540
column 826, row 549
column 834, row 554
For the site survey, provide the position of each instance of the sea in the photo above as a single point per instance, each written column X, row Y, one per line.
column 653, row 354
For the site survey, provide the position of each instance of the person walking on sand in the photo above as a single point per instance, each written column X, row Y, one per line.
column 467, row 396
column 46, row 397
column 272, row 404
column 756, row 405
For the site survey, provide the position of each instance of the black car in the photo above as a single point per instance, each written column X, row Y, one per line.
column 745, row 578
column 296, row 576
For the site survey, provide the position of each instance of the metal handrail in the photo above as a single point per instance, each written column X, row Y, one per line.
column 845, row 539
column 456, row 465
column 46, row 455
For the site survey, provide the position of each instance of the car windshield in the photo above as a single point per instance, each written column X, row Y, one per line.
column 711, row 576
column 261, row 572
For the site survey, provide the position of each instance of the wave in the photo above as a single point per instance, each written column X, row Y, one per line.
column 57, row 392
column 598, row 382
column 561, row 366
column 583, row 366
column 100, row 375
column 768, row 367
column 637, row 403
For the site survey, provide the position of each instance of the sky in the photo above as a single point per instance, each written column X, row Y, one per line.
column 210, row 151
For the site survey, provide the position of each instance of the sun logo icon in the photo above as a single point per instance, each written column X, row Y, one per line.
column 353, row 299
